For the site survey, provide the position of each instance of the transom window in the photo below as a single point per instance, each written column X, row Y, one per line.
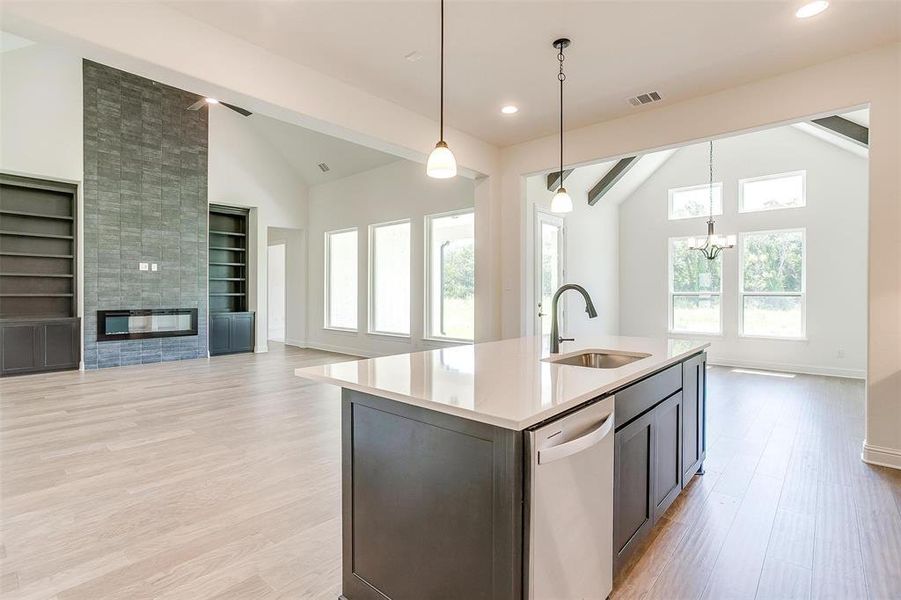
column 694, row 201
column 696, row 288
column 772, row 192
column 772, row 280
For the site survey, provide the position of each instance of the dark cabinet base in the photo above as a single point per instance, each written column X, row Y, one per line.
column 39, row 346
column 231, row 332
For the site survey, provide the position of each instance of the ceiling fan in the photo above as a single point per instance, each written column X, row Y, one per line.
column 204, row 101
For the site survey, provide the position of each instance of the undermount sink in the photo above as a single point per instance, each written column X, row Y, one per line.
column 600, row 360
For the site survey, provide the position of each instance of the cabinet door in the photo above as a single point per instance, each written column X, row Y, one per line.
column 633, row 511
column 694, row 396
column 667, row 467
column 220, row 333
column 242, row 332
column 60, row 347
column 20, row 348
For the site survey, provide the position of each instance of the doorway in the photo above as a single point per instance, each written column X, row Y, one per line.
column 550, row 267
column 277, row 291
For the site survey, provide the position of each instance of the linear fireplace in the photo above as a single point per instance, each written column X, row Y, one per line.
column 145, row 323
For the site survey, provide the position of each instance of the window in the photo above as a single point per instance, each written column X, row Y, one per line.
column 772, row 192
column 389, row 278
column 341, row 279
column 696, row 286
column 772, row 283
column 694, row 201
column 450, row 286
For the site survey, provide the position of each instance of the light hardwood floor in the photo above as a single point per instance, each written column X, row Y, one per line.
column 220, row 479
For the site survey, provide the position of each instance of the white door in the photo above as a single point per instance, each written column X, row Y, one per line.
column 550, row 267
column 276, row 303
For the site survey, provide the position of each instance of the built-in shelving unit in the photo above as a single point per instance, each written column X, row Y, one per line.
column 231, row 324
column 37, row 276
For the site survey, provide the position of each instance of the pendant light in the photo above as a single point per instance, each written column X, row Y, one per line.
column 713, row 244
column 441, row 164
column 561, row 202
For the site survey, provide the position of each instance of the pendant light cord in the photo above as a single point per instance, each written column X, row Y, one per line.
column 562, row 77
column 710, row 187
column 441, row 92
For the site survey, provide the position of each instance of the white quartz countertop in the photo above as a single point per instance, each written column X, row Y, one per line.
column 505, row 383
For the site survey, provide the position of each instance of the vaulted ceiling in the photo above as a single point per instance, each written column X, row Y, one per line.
column 500, row 52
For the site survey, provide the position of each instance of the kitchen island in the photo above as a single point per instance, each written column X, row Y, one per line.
column 494, row 470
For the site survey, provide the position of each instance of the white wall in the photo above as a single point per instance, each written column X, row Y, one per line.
column 592, row 252
column 296, row 282
column 41, row 117
column 836, row 222
column 400, row 190
column 245, row 171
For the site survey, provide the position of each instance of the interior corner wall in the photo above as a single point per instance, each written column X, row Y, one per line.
column 835, row 220
column 145, row 163
column 399, row 190
column 246, row 171
column 591, row 249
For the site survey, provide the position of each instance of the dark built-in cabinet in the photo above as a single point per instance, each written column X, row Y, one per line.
column 659, row 445
column 231, row 327
column 39, row 326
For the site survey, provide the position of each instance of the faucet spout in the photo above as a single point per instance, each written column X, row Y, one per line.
column 555, row 328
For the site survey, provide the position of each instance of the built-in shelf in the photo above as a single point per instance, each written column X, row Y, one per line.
column 232, row 233
column 35, row 255
column 227, row 248
column 23, row 213
column 228, row 279
column 231, row 327
column 227, row 264
column 35, row 295
column 52, row 236
column 57, row 275
column 226, row 293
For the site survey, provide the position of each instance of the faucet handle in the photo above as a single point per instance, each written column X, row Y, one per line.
column 563, row 339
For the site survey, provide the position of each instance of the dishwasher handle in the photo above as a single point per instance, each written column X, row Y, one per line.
column 592, row 438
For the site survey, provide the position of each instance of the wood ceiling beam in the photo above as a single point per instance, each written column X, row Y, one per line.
column 610, row 179
column 553, row 179
column 846, row 128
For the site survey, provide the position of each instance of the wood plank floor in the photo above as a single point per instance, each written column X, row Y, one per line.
column 220, row 479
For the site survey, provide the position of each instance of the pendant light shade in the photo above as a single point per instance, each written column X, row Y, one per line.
column 713, row 245
column 441, row 164
column 561, row 202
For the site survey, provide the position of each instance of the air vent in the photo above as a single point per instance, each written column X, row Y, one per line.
column 646, row 98
column 324, row 167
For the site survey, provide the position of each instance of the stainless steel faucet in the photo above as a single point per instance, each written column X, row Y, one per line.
column 555, row 333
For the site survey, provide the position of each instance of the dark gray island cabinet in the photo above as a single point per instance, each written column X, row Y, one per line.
column 438, row 505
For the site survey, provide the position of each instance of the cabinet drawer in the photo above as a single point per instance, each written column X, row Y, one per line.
column 637, row 398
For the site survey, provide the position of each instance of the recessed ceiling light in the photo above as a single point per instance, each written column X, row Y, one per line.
column 812, row 9
column 212, row 101
column 510, row 110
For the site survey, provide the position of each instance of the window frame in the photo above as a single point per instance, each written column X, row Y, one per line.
column 741, row 286
column 741, row 191
column 370, row 325
column 427, row 275
column 672, row 191
column 671, row 294
column 326, row 313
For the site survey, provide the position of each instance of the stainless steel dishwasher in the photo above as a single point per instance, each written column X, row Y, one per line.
column 570, row 507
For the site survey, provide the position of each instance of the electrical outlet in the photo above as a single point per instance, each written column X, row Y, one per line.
column 142, row 266
column 153, row 267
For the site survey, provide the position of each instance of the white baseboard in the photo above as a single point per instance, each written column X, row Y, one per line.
column 880, row 455
column 342, row 350
column 788, row 368
column 260, row 349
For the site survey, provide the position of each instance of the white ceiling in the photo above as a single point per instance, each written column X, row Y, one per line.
column 500, row 52
column 304, row 149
